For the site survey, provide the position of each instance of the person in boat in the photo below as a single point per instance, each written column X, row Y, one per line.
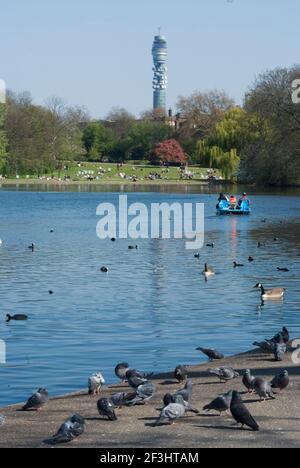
column 221, row 198
column 244, row 198
column 233, row 202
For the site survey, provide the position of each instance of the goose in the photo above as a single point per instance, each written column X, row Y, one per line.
column 208, row 271
column 31, row 247
column 276, row 293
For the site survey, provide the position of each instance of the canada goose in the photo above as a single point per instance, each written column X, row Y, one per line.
column 237, row 265
column 208, row 271
column 276, row 293
column 31, row 247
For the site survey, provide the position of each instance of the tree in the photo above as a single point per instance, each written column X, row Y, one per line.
column 272, row 156
column 143, row 136
column 3, row 139
column 121, row 121
column 98, row 141
column 201, row 112
column 169, row 152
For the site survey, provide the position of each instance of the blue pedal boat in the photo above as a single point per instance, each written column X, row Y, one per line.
column 224, row 208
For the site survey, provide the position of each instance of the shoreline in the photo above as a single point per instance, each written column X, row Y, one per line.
column 278, row 419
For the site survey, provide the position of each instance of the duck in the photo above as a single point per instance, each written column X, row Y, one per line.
column 250, row 259
column 237, row 265
column 133, row 247
column 31, row 247
column 208, row 271
column 212, row 245
column 197, row 255
column 104, row 269
column 17, row 317
column 286, row 270
column 276, row 293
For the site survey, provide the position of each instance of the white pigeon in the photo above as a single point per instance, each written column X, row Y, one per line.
column 95, row 383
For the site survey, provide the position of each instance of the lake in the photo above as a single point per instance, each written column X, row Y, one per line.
column 153, row 308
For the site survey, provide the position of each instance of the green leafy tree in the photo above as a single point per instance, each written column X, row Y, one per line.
column 98, row 141
column 144, row 136
column 3, row 139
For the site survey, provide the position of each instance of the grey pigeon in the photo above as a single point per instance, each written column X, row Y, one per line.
column 265, row 346
column 121, row 370
column 72, row 428
column 171, row 413
column 280, row 350
column 241, row 413
column 135, row 378
column 188, row 407
column 181, row 373
column 286, row 335
column 262, row 388
column 225, row 374
column 37, row 400
column 120, row 399
column 212, row 354
column 143, row 394
column 95, row 383
column 107, row 409
column 168, row 398
column 220, row 404
column 248, row 380
column 187, row 391
column 281, row 381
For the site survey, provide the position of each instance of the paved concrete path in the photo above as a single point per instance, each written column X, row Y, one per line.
column 279, row 419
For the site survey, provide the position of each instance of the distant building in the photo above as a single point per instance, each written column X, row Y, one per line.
column 160, row 79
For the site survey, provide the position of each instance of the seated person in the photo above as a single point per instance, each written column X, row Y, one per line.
column 222, row 197
column 233, row 202
column 241, row 200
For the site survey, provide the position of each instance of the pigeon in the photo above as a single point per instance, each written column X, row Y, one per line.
column 17, row 317
column 120, row 399
column 72, row 428
column 281, row 381
column 265, row 346
column 107, row 409
column 248, row 380
column 121, row 370
column 280, row 350
column 187, row 391
column 177, row 398
column 220, row 404
column 136, row 378
column 181, row 373
column 2, row 419
column 95, row 383
column 143, row 394
column 212, row 354
column 225, row 374
column 262, row 388
column 241, row 413
column 285, row 335
column 171, row 413
column 37, row 400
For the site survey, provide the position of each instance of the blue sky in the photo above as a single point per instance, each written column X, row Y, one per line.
column 97, row 53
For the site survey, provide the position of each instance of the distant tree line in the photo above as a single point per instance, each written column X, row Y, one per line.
column 259, row 142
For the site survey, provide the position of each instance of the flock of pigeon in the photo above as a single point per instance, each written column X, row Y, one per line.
column 141, row 390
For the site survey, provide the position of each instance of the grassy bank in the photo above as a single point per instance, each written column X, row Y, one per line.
column 105, row 173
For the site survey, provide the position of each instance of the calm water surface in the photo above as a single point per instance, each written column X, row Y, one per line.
column 153, row 308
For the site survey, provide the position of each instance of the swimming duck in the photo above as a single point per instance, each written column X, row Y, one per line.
column 237, row 265
column 250, row 259
column 286, row 270
column 276, row 293
column 17, row 317
column 104, row 270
